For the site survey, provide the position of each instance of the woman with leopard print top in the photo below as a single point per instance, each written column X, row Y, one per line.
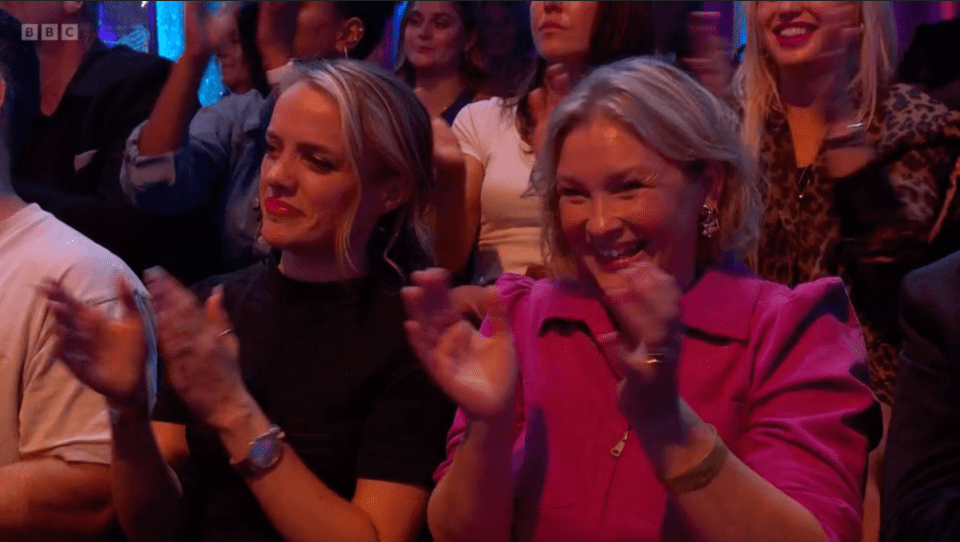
column 861, row 174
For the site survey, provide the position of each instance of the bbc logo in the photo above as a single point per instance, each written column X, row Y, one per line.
column 46, row 32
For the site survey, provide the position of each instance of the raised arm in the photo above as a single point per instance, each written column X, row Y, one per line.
column 166, row 129
column 455, row 211
column 474, row 499
column 177, row 161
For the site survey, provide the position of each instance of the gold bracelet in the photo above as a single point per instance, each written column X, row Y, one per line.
column 702, row 474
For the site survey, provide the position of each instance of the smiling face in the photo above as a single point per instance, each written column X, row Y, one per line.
column 434, row 36
column 561, row 30
column 634, row 205
column 307, row 184
column 795, row 33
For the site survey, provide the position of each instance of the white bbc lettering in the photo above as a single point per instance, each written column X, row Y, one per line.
column 49, row 32
column 70, row 32
column 29, row 32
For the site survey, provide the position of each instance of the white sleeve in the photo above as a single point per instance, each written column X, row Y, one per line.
column 475, row 128
column 59, row 416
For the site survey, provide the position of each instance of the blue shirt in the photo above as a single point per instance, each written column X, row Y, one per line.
column 219, row 162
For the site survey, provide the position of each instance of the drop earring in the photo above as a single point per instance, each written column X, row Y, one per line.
column 709, row 221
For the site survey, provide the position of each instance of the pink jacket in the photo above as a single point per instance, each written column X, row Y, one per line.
column 781, row 374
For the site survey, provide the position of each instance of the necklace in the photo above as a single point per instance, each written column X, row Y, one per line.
column 806, row 175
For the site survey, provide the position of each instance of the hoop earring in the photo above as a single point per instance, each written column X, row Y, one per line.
column 709, row 222
column 346, row 53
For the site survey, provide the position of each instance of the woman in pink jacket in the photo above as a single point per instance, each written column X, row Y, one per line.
column 653, row 388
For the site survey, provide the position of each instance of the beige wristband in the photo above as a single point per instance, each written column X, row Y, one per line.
column 702, row 474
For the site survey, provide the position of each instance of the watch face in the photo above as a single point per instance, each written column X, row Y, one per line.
column 264, row 452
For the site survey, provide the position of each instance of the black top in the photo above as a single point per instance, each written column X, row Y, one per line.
column 70, row 165
column 329, row 363
column 920, row 501
column 465, row 97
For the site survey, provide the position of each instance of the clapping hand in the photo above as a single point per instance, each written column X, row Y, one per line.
column 108, row 355
column 645, row 303
column 199, row 350
column 709, row 53
column 203, row 31
column 479, row 373
column 276, row 32
column 842, row 30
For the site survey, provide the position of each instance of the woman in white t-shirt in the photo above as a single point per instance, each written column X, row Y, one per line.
column 498, row 137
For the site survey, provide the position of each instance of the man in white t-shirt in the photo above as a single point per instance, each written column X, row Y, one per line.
column 54, row 432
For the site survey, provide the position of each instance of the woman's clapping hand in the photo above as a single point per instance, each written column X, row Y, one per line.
column 709, row 53
column 645, row 303
column 108, row 355
column 479, row 373
column 200, row 352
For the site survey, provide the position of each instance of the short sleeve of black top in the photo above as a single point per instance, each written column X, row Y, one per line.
column 330, row 364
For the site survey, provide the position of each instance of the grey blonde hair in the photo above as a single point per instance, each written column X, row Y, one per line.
column 388, row 134
column 670, row 112
column 755, row 83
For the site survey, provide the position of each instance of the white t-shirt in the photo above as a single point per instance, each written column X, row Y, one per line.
column 44, row 409
column 510, row 221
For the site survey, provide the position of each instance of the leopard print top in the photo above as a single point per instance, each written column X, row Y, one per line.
column 872, row 227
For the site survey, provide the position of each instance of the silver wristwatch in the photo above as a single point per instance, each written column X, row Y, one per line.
column 263, row 454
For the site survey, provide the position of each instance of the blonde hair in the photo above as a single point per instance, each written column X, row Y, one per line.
column 670, row 112
column 755, row 82
column 388, row 135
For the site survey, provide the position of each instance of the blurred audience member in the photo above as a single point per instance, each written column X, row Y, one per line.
column 91, row 97
column 439, row 56
column 241, row 67
column 861, row 181
column 672, row 31
column 861, row 173
column 54, row 431
column 499, row 138
column 653, row 380
column 507, row 46
column 931, row 62
column 293, row 393
column 921, row 483
column 176, row 162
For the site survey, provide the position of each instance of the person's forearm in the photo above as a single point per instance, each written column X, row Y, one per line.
column 147, row 493
column 300, row 506
column 738, row 505
column 474, row 500
column 454, row 229
column 48, row 499
column 168, row 125
column 454, row 216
